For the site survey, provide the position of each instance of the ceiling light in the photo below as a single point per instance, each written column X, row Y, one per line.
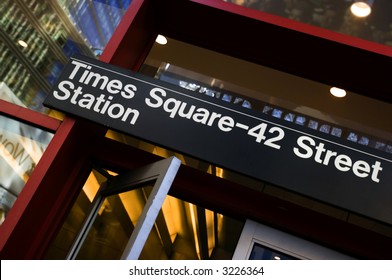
column 362, row 8
column 337, row 92
column 161, row 40
column 22, row 43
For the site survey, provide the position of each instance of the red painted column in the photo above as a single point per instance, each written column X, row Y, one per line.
column 49, row 193
column 52, row 188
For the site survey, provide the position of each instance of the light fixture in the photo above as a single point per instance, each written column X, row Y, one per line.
column 361, row 8
column 22, row 43
column 161, row 40
column 337, row 92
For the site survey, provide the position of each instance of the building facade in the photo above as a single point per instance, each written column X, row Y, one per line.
column 95, row 115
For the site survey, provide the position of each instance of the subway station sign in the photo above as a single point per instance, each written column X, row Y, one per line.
column 302, row 160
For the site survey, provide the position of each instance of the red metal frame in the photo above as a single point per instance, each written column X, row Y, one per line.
column 299, row 26
column 133, row 38
column 28, row 116
column 241, row 202
column 282, row 44
column 49, row 192
column 307, row 51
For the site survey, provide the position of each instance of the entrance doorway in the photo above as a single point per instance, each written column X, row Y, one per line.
column 111, row 203
column 110, row 208
column 260, row 242
column 111, row 228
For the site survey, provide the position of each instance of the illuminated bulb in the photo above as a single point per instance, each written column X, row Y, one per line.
column 277, row 258
column 161, row 40
column 22, row 43
column 337, row 92
column 361, row 9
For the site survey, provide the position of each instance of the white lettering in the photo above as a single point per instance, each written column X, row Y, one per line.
column 177, row 108
column 341, row 162
column 309, row 151
column 114, row 86
column 171, row 106
column 361, row 168
column 129, row 91
column 66, row 93
column 226, row 123
column 78, row 65
column 376, row 168
column 158, row 100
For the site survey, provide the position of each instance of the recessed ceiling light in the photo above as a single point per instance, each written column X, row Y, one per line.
column 22, row 43
column 337, row 92
column 161, row 40
column 361, row 8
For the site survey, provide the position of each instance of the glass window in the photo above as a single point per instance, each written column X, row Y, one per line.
column 333, row 15
column 182, row 231
column 281, row 95
column 21, row 147
column 273, row 93
column 260, row 252
column 38, row 37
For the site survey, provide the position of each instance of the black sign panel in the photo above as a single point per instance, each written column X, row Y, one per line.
column 249, row 142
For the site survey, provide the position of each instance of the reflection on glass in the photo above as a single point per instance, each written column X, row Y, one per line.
column 353, row 137
column 313, row 124
column 185, row 79
column 216, row 88
column 332, row 15
column 260, row 252
column 336, row 131
column 277, row 113
column 73, row 223
column 289, row 117
column 21, row 147
column 325, row 128
column 96, row 20
column 182, row 231
column 113, row 226
column 380, row 145
column 38, row 37
column 364, row 141
column 301, row 120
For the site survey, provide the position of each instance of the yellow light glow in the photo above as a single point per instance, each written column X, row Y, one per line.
column 219, row 172
column 8, row 157
column 337, row 92
column 171, row 212
column 194, row 228
column 210, row 223
column 23, row 43
column 361, row 9
column 161, row 40
column 91, row 187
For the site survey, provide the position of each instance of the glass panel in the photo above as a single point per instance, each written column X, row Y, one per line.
column 72, row 225
column 181, row 231
column 113, row 225
column 184, row 231
column 278, row 94
column 335, row 15
column 260, row 252
column 95, row 20
column 21, row 147
column 37, row 37
column 357, row 119
column 25, row 92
